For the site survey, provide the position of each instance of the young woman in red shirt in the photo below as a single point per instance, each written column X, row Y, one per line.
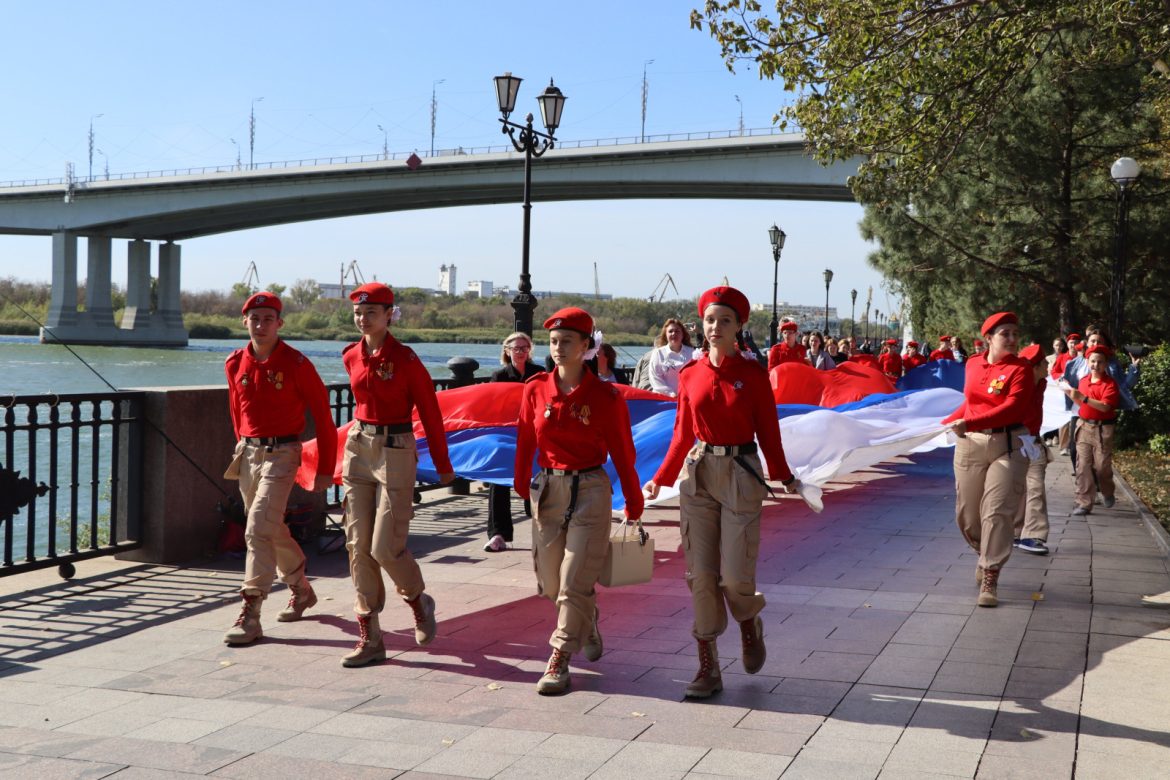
column 1099, row 398
column 725, row 403
column 990, row 468
column 389, row 382
column 571, row 421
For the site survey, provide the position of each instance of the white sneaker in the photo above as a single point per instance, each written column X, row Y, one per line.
column 496, row 544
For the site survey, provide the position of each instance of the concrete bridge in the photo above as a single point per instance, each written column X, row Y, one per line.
column 166, row 209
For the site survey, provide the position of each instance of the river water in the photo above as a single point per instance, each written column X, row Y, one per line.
column 30, row 368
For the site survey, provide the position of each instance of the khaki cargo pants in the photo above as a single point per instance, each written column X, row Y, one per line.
column 1094, row 462
column 989, row 483
column 720, row 526
column 379, row 475
column 568, row 558
column 266, row 476
column 1031, row 520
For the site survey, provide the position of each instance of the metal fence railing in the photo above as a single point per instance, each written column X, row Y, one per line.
column 71, row 478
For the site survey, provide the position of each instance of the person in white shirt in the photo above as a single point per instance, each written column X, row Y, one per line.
column 673, row 351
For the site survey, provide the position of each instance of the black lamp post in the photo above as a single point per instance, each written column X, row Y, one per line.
column 1125, row 172
column 776, row 236
column 853, row 315
column 828, row 281
column 533, row 143
column 877, row 327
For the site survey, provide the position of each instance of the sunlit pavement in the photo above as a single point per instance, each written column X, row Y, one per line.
column 879, row 663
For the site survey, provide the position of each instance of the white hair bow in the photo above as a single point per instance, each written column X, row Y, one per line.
column 598, row 336
column 395, row 314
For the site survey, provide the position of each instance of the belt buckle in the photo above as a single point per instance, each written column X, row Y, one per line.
column 720, row 449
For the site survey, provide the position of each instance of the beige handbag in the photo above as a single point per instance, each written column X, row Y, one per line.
column 630, row 558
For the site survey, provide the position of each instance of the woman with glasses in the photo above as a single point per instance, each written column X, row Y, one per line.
column 517, row 366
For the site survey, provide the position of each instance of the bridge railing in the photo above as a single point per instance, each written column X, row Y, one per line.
column 459, row 151
column 71, row 479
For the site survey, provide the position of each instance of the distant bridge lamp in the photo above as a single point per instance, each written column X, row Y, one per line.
column 533, row 143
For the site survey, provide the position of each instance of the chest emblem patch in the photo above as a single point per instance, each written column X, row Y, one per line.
column 277, row 379
column 385, row 370
column 581, row 412
column 997, row 385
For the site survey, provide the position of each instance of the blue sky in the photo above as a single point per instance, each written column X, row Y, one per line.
column 174, row 84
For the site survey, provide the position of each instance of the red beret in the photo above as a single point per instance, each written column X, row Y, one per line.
column 944, row 338
column 891, row 342
column 997, row 319
column 1033, row 353
column 979, row 342
column 726, row 296
column 262, row 300
column 1100, row 348
column 1076, row 336
column 571, row 318
column 373, row 292
column 912, row 344
column 788, row 326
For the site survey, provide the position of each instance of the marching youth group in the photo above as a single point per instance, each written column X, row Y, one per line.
column 572, row 420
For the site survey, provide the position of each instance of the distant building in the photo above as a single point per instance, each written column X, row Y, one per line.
column 447, row 285
column 806, row 317
column 331, row 291
column 480, row 288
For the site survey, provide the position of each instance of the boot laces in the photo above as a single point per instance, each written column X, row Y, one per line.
column 420, row 615
column 990, row 579
column 706, row 660
column 244, row 610
column 749, row 632
column 363, row 631
column 556, row 661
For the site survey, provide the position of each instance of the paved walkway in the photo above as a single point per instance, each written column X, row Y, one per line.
column 879, row 663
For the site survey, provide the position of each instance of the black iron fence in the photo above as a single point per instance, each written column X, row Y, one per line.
column 71, row 478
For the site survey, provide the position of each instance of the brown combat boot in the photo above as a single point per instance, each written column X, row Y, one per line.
column 593, row 647
column 301, row 599
column 754, row 651
column 556, row 677
column 247, row 628
column 708, row 681
column 424, row 618
column 987, row 596
column 369, row 648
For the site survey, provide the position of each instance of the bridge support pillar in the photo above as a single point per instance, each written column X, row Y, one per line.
column 99, row 311
column 136, row 317
column 63, row 298
column 170, row 310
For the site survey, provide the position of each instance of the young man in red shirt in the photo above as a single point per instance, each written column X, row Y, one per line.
column 944, row 351
column 913, row 358
column 890, row 361
column 1099, row 398
column 270, row 386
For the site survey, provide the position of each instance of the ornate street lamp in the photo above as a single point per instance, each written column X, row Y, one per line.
column 776, row 236
column 532, row 143
column 1125, row 172
column 852, row 315
column 828, row 281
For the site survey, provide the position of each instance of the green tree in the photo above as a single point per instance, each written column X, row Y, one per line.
column 241, row 290
column 276, row 289
column 304, row 291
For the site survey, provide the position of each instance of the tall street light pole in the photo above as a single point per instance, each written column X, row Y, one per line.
column 645, row 96
column 828, row 281
column 853, row 315
column 868, row 301
column 1125, row 172
column 532, row 143
column 434, row 111
column 95, row 116
column 252, row 134
column 777, row 237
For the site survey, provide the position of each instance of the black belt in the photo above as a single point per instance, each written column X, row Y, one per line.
column 569, row 472
column 384, row 430
column 1087, row 421
column 573, row 487
column 730, row 449
column 1002, row 429
column 270, row 441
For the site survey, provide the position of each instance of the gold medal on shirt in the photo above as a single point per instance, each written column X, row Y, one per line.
column 547, row 411
column 997, row 385
column 244, row 380
column 277, row 379
column 385, row 371
column 580, row 412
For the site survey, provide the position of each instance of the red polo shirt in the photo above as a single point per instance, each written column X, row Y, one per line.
column 728, row 404
column 389, row 386
column 782, row 353
column 891, row 365
column 1058, row 365
column 576, row 431
column 995, row 395
column 1105, row 390
column 268, row 398
column 942, row 354
column 911, row 362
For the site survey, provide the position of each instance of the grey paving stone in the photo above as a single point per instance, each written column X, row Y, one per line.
column 1002, row 767
column 245, row 739
column 468, row 763
column 197, row 759
column 809, row 768
column 976, row 678
column 47, row 768
column 734, row 763
column 174, row 730
column 264, row 766
column 534, row 767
